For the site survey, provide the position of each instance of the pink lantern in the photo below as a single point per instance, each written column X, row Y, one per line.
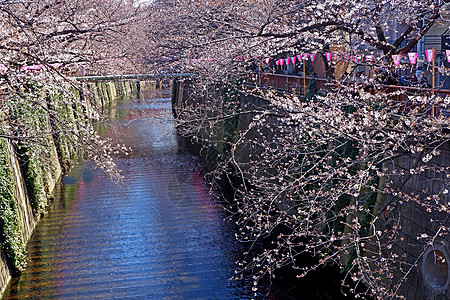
column 328, row 56
column 293, row 58
column 447, row 54
column 305, row 55
column 396, row 58
column 429, row 55
column 413, row 57
column 33, row 68
column 299, row 57
column 312, row 56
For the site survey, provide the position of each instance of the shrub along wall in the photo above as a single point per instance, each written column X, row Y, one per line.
column 27, row 179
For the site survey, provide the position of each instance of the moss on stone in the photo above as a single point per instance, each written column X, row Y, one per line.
column 54, row 116
column 10, row 231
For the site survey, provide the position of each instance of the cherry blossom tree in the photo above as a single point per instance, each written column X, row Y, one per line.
column 325, row 175
column 71, row 33
column 44, row 42
column 209, row 35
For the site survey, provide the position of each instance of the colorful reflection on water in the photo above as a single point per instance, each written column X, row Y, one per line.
column 158, row 235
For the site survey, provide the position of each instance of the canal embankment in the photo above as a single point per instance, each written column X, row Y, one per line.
column 27, row 177
column 158, row 234
column 416, row 213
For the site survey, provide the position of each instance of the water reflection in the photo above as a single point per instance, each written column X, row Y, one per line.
column 159, row 235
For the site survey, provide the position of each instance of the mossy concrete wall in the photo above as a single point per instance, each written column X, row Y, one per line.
column 18, row 214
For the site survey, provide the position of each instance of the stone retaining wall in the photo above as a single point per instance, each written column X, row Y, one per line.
column 18, row 203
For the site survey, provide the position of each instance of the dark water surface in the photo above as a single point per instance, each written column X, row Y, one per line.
column 158, row 235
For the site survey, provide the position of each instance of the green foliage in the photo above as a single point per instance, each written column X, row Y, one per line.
column 34, row 179
column 10, row 231
column 29, row 113
column 120, row 88
column 106, row 93
column 65, row 119
column 100, row 93
column 32, row 112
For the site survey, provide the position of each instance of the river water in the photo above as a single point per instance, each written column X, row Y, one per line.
column 158, row 235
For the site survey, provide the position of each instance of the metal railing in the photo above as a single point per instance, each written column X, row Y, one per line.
column 299, row 84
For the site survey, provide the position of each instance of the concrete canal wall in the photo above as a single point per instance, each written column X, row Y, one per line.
column 425, row 280
column 26, row 186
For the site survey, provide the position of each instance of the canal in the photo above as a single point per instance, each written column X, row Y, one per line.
column 157, row 235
